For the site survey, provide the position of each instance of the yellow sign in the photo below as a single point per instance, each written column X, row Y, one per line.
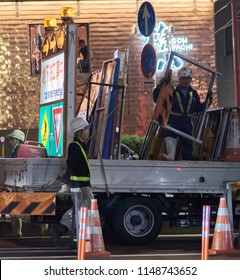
column 60, row 39
column 45, row 129
column 45, row 47
column 53, row 43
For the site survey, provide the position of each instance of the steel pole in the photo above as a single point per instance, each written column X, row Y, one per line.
column 234, row 11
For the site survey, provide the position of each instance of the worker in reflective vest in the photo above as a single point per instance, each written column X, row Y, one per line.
column 78, row 168
column 77, row 176
column 185, row 102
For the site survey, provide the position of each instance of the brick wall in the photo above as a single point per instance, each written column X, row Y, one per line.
column 111, row 27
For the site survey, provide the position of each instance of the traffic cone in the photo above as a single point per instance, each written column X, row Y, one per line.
column 88, row 244
column 205, row 231
column 82, row 233
column 222, row 238
column 97, row 243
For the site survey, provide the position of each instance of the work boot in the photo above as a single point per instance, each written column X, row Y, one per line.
column 56, row 233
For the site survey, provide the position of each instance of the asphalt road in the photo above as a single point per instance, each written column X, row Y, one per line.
column 174, row 247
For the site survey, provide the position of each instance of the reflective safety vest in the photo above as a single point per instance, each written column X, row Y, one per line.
column 181, row 106
column 81, row 178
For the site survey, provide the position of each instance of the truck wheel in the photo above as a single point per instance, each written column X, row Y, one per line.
column 137, row 221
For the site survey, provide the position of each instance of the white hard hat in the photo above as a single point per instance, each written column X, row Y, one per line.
column 78, row 123
column 184, row 72
column 18, row 134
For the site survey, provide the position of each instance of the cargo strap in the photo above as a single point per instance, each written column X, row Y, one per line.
column 80, row 178
column 181, row 106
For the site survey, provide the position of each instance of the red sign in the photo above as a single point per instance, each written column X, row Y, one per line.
column 57, row 119
column 148, row 61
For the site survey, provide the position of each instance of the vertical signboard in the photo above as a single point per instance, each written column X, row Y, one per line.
column 146, row 19
column 146, row 24
column 51, row 117
column 148, row 61
column 52, row 79
column 51, row 120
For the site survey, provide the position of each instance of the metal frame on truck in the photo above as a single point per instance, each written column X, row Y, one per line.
column 133, row 195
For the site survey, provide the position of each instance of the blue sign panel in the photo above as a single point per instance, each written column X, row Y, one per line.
column 146, row 19
column 148, row 61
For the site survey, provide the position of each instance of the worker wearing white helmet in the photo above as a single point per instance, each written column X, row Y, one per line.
column 185, row 102
column 16, row 137
column 77, row 175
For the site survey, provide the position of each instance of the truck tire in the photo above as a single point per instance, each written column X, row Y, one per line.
column 137, row 220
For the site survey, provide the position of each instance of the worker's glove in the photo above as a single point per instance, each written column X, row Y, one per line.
column 64, row 188
column 210, row 97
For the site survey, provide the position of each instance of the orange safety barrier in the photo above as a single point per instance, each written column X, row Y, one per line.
column 97, row 242
column 205, row 231
column 164, row 103
column 222, row 239
column 35, row 203
column 82, row 233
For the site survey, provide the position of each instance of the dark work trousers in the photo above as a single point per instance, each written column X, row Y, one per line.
column 183, row 124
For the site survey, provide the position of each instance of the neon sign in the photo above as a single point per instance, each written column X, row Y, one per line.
column 164, row 41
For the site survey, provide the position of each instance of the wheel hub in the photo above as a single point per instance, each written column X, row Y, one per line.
column 138, row 220
column 135, row 220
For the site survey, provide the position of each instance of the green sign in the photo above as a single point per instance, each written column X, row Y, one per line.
column 51, row 128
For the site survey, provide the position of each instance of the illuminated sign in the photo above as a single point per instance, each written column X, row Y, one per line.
column 164, row 42
column 52, row 79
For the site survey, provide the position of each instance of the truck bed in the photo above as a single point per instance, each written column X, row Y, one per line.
column 128, row 177
column 120, row 176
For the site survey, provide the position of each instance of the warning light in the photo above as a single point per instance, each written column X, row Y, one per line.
column 67, row 14
column 50, row 23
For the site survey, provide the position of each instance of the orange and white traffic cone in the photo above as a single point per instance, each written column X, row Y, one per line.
column 82, row 233
column 222, row 239
column 97, row 242
column 205, row 231
column 88, row 243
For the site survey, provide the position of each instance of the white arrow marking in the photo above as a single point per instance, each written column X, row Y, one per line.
column 146, row 16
